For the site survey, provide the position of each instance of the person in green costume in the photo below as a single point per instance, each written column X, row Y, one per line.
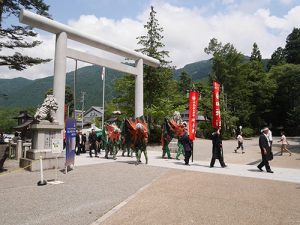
column 166, row 138
column 179, row 144
column 141, row 143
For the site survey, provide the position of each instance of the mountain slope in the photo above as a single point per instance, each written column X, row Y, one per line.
column 197, row 71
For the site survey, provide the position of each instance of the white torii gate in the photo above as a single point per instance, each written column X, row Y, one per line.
column 62, row 52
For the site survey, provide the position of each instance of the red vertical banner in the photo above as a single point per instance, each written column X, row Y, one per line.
column 193, row 107
column 216, row 114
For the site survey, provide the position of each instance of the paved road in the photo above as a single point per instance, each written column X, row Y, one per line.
column 86, row 194
column 190, row 198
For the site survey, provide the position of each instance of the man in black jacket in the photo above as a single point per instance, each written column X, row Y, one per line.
column 217, row 149
column 93, row 142
column 265, row 149
column 187, row 146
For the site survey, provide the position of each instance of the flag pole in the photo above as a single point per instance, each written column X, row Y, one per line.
column 103, row 95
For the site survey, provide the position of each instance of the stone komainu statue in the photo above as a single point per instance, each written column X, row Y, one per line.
column 47, row 110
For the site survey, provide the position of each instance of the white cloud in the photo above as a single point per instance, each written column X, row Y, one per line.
column 186, row 33
column 286, row 2
column 227, row 2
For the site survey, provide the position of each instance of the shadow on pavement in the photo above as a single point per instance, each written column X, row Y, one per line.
column 255, row 162
column 255, row 170
column 196, row 164
column 3, row 170
column 129, row 162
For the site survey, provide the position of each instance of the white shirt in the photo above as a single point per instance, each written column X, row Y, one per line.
column 240, row 138
column 269, row 135
column 266, row 135
column 283, row 140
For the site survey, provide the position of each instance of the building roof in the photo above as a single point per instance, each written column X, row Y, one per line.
column 23, row 114
column 23, row 125
column 96, row 108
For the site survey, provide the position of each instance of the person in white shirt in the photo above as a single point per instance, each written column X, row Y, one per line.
column 240, row 143
column 284, row 144
column 270, row 138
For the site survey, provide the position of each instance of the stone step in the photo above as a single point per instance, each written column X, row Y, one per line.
column 34, row 165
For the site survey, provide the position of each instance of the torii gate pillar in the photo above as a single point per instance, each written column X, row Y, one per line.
column 60, row 75
column 139, row 90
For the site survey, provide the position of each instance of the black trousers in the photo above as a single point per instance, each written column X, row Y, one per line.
column 83, row 148
column 93, row 146
column 187, row 155
column 78, row 146
column 264, row 163
column 213, row 160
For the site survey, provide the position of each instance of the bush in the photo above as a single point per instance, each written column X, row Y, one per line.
column 155, row 134
column 204, row 130
column 247, row 132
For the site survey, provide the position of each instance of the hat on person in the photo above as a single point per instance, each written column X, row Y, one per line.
column 264, row 129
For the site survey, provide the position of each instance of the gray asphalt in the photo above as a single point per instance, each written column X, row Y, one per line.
column 87, row 193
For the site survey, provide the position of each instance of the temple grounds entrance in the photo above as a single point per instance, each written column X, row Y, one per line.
column 62, row 52
column 44, row 134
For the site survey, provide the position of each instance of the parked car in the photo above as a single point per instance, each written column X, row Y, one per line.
column 8, row 137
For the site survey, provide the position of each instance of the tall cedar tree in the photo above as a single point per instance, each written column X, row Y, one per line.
column 292, row 47
column 277, row 58
column 17, row 37
column 156, row 80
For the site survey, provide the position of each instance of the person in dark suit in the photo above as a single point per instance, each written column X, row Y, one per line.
column 187, row 146
column 79, row 142
column 265, row 149
column 83, row 143
column 93, row 143
column 217, row 149
column 78, row 147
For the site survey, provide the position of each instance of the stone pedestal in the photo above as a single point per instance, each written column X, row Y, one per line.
column 42, row 135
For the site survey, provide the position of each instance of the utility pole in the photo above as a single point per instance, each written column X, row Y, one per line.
column 82, row 100
column 103, row 95
column 74, row 89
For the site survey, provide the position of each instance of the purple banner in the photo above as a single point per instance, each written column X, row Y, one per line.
column 70, row 141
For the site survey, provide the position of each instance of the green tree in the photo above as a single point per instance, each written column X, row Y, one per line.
column 286, row 102
column 69, row 99
column 19, row 37
column 277, row 58
column 185, row 82
column 125, row 99
column 292, row 47
column 161, row 92
column 226, row 63
column 226, row 70
column 156, row 80
column 255, row 55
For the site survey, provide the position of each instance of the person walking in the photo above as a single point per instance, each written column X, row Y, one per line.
column 217, row 149
column 77, row 147
column 187, row 146
column 284, row 143
column 93, row 141
column 83, row 143
column 240, row 143
column 180, row 149
column 80, row 143
column 165, row 139
column 266, row 153
column 270, row 138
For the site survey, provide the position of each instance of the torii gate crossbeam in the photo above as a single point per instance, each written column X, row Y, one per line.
column 64, row 32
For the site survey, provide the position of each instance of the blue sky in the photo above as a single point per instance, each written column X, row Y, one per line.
column 188, row 27
column 119, row 9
